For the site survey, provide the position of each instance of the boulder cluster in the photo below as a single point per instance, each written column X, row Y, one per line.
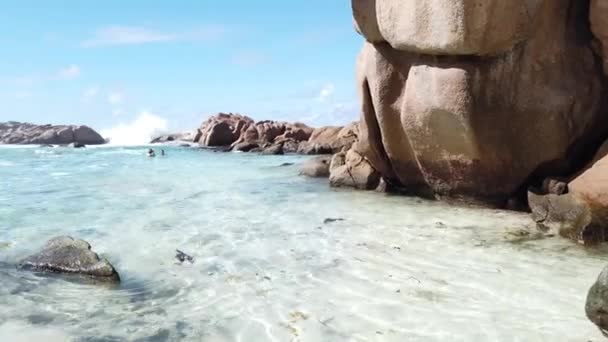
column 487, row 102
column 234, row 132
column 241, row 133
column 25, row 133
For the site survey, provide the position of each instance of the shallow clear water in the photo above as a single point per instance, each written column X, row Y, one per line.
column 266, row 266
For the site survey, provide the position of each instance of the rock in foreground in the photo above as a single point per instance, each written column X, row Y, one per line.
column 471, row 99
column 65, row 254
column 26, row 133
column 597, row 302
column 582, row 213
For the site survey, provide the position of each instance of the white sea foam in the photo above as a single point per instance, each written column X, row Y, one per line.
column 17, row 331
column 138, row 132
column 45, row 151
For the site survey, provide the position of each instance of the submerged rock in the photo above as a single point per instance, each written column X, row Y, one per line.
column 331, row 220
column 181, row 256
column 65, row 254
column 76, row 145
column 273, row 150
column 582, row 213
column 597, row 302
column 245, row 147
column 316, row 167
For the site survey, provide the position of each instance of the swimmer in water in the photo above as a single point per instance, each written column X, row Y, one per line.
column 162, row 153
column 151, row 153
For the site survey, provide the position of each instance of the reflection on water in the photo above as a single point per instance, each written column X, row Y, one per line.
column 267, row 267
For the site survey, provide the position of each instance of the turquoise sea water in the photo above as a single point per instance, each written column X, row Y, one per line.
column 267, row 268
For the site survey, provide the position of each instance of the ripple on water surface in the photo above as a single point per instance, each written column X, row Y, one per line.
column 266, row 265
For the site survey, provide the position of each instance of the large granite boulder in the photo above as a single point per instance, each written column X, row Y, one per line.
column 591, row 188
column 330, row 139
column 599, row 25
column 65, row 254
column 86, row 136
column 597, row 302
column 223, row 129
column 350, row 169
column 26, row 133
column 445, row 27
column 241, row 132
column 264, row 132
column 478, row 99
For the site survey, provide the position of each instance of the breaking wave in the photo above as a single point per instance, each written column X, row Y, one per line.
column 138, row 132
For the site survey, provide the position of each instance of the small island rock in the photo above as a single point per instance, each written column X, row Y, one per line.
column 65, row 254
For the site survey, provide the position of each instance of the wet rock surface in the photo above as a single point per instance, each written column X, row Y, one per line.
column 317, row 167
column 273, row 150
column 65, row 254
column 350, row 169
column 596, row 307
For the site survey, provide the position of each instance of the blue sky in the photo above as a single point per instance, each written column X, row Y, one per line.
column 104, row 63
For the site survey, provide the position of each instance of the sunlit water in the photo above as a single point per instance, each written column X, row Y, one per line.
column 267, row 268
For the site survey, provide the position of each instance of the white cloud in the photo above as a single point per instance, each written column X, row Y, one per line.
column 135, row 35
column 115, row 98
column 125, row 35
column 326, row 91
column 69, row 73
column 138, row 132
column 90, row 94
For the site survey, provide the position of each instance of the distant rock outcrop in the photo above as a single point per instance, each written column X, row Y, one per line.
column 177, row 137
column 241, row 133
column 26, row 133
column 330, row 139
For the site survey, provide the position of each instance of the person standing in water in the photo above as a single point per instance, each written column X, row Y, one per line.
column 162, row 153
column 151, row 153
